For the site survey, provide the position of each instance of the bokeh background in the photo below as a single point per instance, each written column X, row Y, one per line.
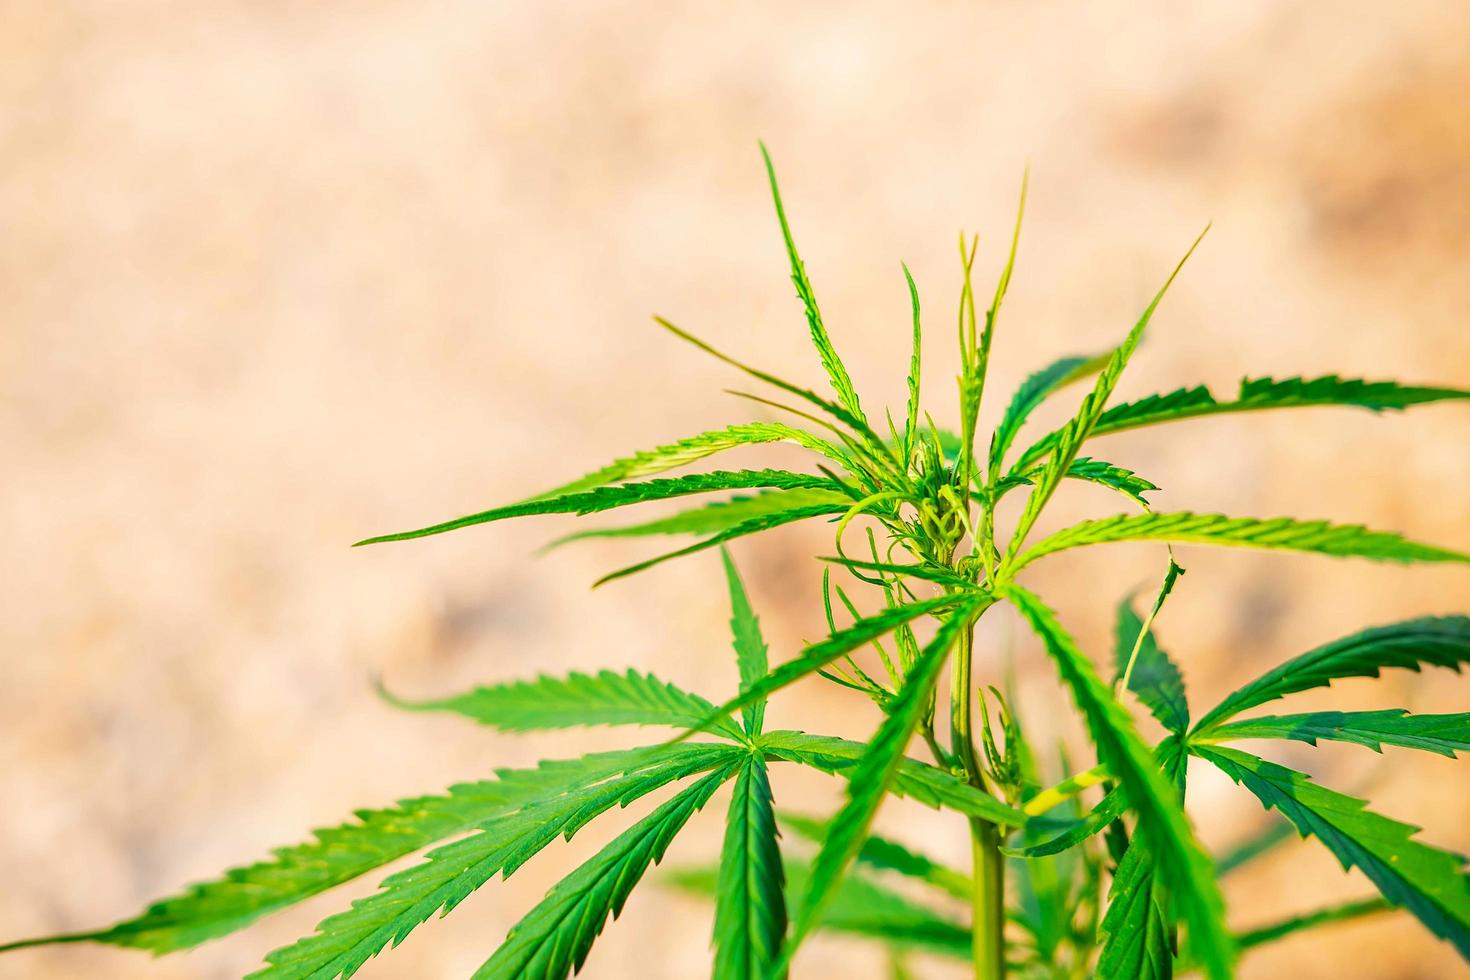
column 277, row 276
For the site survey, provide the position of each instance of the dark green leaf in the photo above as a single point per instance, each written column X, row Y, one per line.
column 750, row 911
column 1257, row 394
column 1135, row 929
column 1186, row 867
column 1427, row 881
column 1110, row 808
column 1442, row 734
column 1439, row 641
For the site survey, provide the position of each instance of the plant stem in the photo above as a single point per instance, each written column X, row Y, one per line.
column 988, row 895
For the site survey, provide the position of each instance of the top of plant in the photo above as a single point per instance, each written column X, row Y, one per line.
column 930, row 548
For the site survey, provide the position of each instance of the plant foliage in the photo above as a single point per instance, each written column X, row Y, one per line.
column 1076, row 870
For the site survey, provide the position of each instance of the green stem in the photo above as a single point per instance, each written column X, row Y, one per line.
column 988, row 890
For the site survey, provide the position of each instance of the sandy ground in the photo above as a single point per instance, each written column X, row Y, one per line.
column 276, row 276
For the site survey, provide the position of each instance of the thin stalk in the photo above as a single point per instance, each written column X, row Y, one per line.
column 988, row 889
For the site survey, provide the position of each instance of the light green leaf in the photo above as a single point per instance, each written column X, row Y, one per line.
column 1429, row 882
column 911, row 419
column 750, row 646
column 875, row 772
column 554, row 938
column 820, row 654
column 836, row 371
column 752, row 525
column 1282, row 533
column 1155, row 679
column 1030, row 395
column 750, row 911
column 916, row 780
column 449, row 874
column 1186, row 867
column 691, row 450
column 605, row 698
column 607, row 498
column 1442, row 734
column 1439, row 641
column 722, row 515
column 338, row 854
column 1072, row 435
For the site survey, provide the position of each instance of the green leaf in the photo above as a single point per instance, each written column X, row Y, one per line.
column 1439, row 641
column 750, row 912
column 604, row 698
column 1097, row 471
column 691, row 450
column 1186, row 867
column 1283, row 533
column 554, row 938
column 1110, row 808
column 1346, row 912
column 607, row 498
column 753, row 525
column 860, row 907
column 836, row 371
column 919, row 781
column 1071, row 436
column 911, row 419
column 1155, row 679
column 1442, row 734
column 883, row 854
column 875, row 772
column 1257, row 394
column 1427, row 881
column 818, row 655
column 1135, row 929
column 750, row 646
column 338, row 854
column 722, row 515
column 1030, row 395
column 449, row 874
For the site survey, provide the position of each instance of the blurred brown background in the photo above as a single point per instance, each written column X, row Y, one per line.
column 276, row 276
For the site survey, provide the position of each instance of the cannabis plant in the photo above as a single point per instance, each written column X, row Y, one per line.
column 1072, row 873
